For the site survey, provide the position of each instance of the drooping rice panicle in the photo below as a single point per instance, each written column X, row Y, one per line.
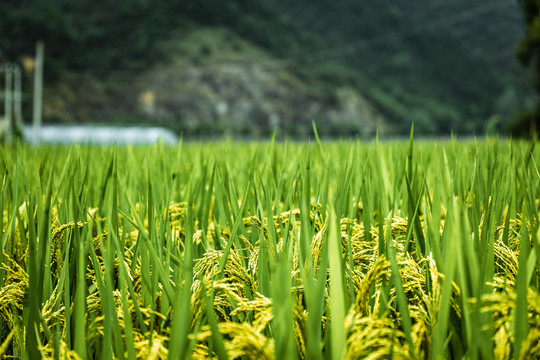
column 297, row 251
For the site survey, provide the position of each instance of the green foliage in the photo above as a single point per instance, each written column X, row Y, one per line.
column 418, row 62
column 527, row 123
column 81, row 35
column 439, row 64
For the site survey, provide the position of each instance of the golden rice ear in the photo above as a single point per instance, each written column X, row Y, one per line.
column 501, row 304
column 374, row 338
column 48, row 351
column 153, row 347
column 531, row 347
column 242, row 340
column 57, row 238
column 317, row 244
column 506, row 261
column 12, row 296
column 7, row 341
column 363, row 283
column 260, row 307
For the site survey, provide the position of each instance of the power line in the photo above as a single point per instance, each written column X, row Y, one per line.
column 397, row 35
column 318, row 55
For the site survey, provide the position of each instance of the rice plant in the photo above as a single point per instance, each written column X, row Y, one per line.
column 271, row 250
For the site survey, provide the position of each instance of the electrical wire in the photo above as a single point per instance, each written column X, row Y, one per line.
column 317, row 56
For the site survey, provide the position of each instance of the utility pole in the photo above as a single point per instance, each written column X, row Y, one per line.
column 17, row 99
column 38, row 91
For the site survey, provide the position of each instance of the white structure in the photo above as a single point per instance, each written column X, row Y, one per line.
column 69, row 134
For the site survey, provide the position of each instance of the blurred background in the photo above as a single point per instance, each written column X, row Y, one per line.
column 245, row 68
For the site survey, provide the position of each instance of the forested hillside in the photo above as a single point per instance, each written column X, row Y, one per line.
column 447, row 66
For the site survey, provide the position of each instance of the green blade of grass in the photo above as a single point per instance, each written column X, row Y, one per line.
column 219, row 343
column 337, row 294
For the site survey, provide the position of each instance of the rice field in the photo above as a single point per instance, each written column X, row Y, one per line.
column 314, row 250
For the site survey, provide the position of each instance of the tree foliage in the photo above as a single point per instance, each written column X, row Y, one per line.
column 81, row 34
column 443, row 75
column 124, row 35
column 528, row 53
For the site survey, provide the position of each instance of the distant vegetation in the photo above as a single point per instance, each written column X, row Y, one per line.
column 528, row 51
column 445, row 66
column 81, row 35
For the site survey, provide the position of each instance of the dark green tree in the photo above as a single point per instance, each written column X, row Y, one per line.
column 528, row 53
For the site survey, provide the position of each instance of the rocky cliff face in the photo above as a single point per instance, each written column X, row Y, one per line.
column 251, row 99
column 215, row 84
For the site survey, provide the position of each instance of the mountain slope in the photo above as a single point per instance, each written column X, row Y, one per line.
column 446, row 66
column 213, row 83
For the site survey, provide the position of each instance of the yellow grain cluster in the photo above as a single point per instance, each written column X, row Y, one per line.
column 245, row 316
